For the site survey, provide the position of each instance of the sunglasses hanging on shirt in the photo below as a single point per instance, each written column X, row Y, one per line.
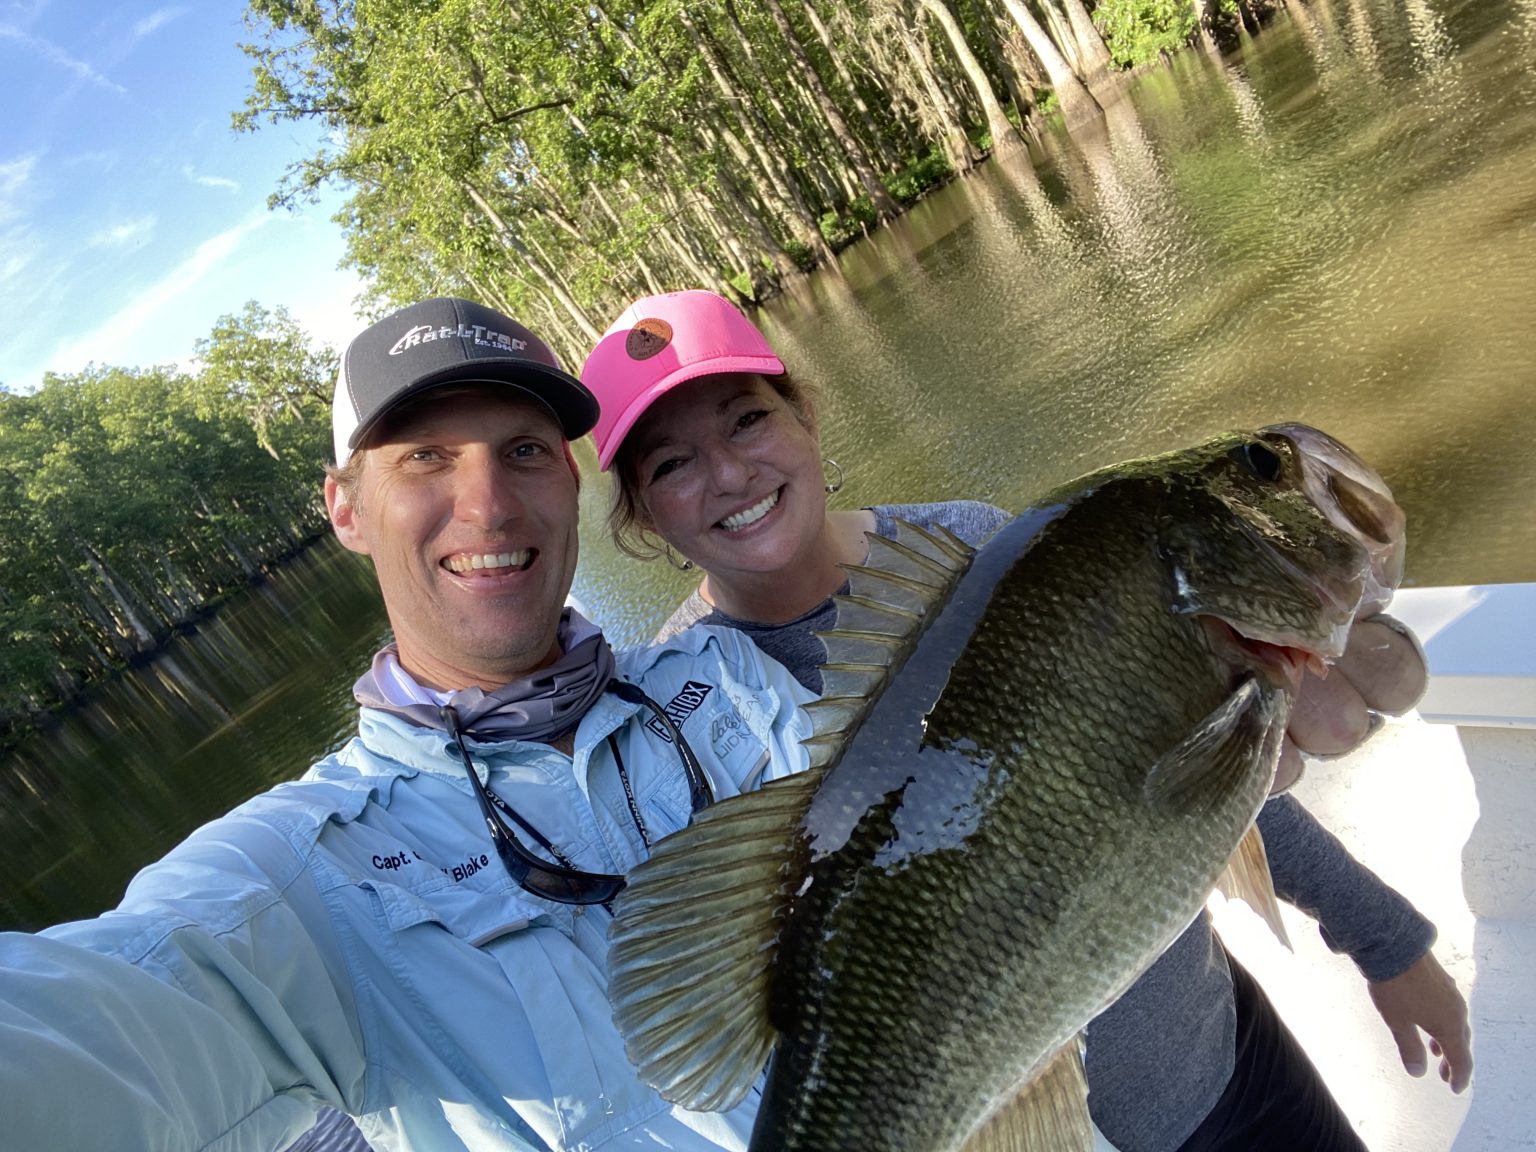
column 560, row 880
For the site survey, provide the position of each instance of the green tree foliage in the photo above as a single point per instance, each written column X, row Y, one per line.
column 262, row 363
column 1140, row 31
column 132, row 498
column 557, row 159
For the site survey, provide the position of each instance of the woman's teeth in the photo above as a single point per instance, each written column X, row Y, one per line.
column 738, row 520
column 476, row 561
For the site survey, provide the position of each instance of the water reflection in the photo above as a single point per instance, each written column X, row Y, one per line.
column 1333, row 225
column 247, row 700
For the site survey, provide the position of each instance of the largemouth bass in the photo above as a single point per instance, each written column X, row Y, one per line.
column 1028, row 770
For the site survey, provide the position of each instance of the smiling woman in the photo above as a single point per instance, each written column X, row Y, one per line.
column 716, row 454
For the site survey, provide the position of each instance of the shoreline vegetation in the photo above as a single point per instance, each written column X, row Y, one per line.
column 554, row 161
column 135, row 501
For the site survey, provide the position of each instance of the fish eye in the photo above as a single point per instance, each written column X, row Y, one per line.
column 1259, row 460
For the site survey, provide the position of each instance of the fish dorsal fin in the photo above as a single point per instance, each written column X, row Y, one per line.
column 1049, row 1114
column 692, row 945
column 1247, row 879
column 1220, row 752
column 890, row 599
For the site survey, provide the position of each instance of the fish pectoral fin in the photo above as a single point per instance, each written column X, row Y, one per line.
column 1049, row 1114
column 1220, row 753
column 1247, row 879
column 692, row 945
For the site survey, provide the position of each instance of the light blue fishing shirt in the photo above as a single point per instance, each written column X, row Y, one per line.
column 352, row 939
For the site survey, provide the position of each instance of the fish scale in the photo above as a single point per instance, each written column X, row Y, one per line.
column 1029, row 770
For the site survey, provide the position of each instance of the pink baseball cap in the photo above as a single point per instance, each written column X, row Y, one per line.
column 656, row 344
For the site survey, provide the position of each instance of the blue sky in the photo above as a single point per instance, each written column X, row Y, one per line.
column 131, row 215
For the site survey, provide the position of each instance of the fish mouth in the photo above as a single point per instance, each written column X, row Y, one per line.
column 1282, row 661
column 1355, row 499
column 1282, row 640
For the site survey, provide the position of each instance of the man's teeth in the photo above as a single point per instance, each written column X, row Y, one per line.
column 751, row 515
column 474, row 562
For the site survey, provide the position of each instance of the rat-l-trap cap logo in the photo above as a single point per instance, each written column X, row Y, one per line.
column 647, row 338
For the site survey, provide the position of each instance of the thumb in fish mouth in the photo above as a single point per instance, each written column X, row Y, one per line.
column 1383, row 670
column 1328, row 715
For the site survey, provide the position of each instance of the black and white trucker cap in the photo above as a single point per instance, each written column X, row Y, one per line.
column 448, row 341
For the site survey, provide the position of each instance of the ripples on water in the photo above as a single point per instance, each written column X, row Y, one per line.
column 1337, row 224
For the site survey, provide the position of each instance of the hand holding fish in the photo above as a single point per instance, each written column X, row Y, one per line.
column 1426, row 998
column 1382, row 670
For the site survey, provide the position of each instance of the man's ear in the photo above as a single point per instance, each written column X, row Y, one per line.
column 344, row 518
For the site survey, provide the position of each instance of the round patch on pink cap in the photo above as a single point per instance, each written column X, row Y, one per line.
column 647, row 338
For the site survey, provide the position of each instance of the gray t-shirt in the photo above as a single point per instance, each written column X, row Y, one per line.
column 793, row 643
column 1159, row 1058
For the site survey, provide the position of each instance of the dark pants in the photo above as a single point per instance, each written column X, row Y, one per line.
column 1275, row 1101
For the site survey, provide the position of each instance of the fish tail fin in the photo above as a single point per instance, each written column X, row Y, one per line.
column 1049, row 1114
column 1247, row 879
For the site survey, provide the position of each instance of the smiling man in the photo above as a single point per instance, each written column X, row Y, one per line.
column 415, row 932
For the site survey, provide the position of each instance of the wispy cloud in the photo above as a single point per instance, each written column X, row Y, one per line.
column 104, row 343
column 12, row 262
column 14, row 175
column 15, row 232
column 51, row 52
column 155, row 20
column 210, row 181
column 120, row 235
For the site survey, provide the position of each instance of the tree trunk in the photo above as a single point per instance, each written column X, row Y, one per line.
column 681, row 241
column 247, row 567
column 871, row 130
column 1056, row 28
column 804, row 224
column 130, row 612
column 863, row 166
column 1092, row 53
column 835, row 187
column 1004, row 138
column 549, row 281
column 767, row 244
column 1022, row 101
column 1077, row 103
column 758, row 209
column 952, row 138
column 642, row 265
column 1202, row 22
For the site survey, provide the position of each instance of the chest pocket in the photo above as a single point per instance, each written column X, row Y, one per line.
column 726, row 746
column 516, row 1005
column 731, row 744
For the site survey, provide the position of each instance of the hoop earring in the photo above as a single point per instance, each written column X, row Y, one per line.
column 683, row 565
column 833, row 487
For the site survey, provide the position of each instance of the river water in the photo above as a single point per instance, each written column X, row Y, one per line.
column 1336, row 224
